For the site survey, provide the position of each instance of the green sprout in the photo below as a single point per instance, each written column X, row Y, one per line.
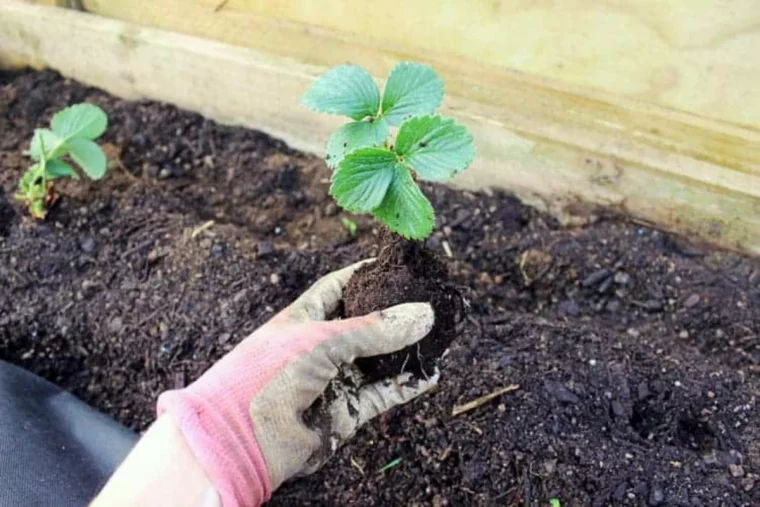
column 349, row 225
column 391, row 464
column 374, row 174
column 71, row 134
column 554, row 502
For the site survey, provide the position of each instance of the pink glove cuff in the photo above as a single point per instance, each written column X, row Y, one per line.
column 213, row 413
column 223, row 442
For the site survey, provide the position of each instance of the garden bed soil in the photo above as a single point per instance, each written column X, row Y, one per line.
column 636, row 354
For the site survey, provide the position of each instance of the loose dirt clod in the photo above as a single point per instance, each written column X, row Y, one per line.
column 405, row 272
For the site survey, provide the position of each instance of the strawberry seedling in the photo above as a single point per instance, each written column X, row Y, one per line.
column 375, row 174
column 70, row 138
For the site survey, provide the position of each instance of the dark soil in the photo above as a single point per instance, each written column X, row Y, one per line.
column 636, row 354
column 406, row 272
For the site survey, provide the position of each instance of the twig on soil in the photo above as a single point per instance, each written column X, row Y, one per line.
column 447, row 249
column 201, row 228
column 471, row 405
column 123, row 169
column 496, row 319
column 357, row 466
column 139, row 246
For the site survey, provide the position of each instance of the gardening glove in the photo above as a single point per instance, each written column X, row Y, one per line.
column 243, row 419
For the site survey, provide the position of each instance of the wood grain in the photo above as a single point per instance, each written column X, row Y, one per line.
column 698, row 56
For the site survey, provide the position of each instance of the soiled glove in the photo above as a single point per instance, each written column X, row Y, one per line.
column 243, row 419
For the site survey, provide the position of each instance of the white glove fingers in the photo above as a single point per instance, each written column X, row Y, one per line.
column 381, row 396
column 385, row 332
column 323, row 297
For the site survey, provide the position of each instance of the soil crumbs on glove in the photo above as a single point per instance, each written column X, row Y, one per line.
column 637, row 354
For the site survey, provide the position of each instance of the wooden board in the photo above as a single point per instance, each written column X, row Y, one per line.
column 563, row 149
column 698, row 56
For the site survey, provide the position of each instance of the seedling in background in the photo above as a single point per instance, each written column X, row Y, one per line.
column 373, row 174
column 71, row 134
column 349, row 225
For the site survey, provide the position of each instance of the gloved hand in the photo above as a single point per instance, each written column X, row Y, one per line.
column 243, row 418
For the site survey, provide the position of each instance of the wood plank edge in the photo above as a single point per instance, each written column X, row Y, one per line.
column 261, row 92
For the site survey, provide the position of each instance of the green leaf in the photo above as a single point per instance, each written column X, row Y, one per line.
column 347, row 89
column 436, row 148
column 56, row 168
column 80, row 120
column 362, row 178
column 412, row 89
column 355, row 135
column 47, row 139
column 89, row 156
column 405, row 210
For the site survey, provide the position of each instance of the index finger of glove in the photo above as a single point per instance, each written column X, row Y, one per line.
column 381, row 332
column 323, row 297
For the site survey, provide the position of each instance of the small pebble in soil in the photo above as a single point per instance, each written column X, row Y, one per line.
column 217, row 250
column 331, row 209
column 240, row 296
column 274, row 278
column 613, row 306
column 265, row 249
column 595, row 277
column 736, row 470
column 569, row 308
column 691, row 301
column 115, row 325
column 605, row 286
column 652, row 305
column 656, row 496
column 560, row 392
column 504, row 361
column 622, row 278
column 87, row 245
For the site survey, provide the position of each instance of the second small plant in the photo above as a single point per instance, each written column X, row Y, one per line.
column 70, row 138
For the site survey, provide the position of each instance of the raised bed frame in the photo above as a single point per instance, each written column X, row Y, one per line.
column 567, row 147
